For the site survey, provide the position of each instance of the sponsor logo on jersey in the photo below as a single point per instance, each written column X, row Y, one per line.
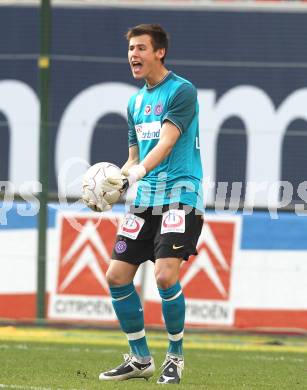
column 147, row 110
column 173, row 221
column 138, row 129
column 131, row 226
column 148, row 131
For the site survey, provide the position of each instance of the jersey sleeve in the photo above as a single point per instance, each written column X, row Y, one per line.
column 182, row 107
column 132, row 138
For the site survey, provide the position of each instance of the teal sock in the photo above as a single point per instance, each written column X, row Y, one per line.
column 129, row 311
column 173, row 309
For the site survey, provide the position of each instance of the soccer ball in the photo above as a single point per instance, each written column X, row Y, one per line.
column 94, row 178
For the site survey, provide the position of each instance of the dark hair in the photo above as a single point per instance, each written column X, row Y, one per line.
column 159, row 36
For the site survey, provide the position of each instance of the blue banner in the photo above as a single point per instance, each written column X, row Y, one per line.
column 250, row 69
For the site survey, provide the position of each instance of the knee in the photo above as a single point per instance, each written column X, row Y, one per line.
column 164, row 280
column 114, row 279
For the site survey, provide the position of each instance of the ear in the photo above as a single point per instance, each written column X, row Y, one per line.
column 160, row 53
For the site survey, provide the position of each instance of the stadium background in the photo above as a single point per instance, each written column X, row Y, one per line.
column 249, row 65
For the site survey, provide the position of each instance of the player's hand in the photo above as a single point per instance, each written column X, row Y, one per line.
column 127, row 178
column 101, row 205
column 115, row 183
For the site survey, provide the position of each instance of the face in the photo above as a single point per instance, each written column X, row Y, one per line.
column 145, row 63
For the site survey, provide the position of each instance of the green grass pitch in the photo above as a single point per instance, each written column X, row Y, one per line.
column 53, row 359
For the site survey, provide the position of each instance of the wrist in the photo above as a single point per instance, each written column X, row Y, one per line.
column 135, row 173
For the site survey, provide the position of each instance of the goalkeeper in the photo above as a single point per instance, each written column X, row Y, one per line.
column 166, row 220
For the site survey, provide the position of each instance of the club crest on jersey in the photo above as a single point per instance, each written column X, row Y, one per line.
column 147, row 110
column 120, row 247
column 158, row 109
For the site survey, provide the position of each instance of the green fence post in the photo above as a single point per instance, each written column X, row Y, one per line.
column 44, row 75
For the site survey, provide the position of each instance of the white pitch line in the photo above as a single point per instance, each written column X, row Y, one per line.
column 23, row 387
column 69, row 349
column 256, row 357
column 4, row 386
column 271, row 358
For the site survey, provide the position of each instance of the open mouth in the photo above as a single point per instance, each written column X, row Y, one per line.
column 136, row 66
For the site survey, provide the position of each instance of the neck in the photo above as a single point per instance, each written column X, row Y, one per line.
column 157, row 77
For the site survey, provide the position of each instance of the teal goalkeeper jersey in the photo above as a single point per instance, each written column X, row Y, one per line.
column 178, row 178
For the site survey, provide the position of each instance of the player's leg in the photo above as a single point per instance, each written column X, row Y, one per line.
column 173, row 304
column 129, row 311
column 128, row 254
column 127, row 306
column 173, row 309
column 175, row 241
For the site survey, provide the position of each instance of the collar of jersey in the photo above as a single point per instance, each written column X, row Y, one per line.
column 160, row 82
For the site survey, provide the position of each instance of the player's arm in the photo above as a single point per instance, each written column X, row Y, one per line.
column 175, row 122
column 133, row 158
column 177, row 119
column 169, row 135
